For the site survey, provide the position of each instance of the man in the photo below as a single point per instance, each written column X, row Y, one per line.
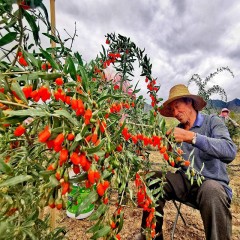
column 229, row 122
column 209, row 137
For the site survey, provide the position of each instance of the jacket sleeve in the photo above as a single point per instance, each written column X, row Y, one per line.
column 218, row 143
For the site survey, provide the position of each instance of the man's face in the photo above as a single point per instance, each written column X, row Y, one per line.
column 181, row 110
column 225, row 114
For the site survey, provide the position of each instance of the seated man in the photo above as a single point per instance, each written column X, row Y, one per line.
column 209, row 137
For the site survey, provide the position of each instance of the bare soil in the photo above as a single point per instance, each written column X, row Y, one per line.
column 76, row 229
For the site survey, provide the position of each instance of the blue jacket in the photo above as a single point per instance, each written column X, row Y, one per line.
column 213, row 147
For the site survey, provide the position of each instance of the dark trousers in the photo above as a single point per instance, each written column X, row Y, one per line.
column 210, row 198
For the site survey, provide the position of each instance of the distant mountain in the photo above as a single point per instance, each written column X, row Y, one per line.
column 233, row 105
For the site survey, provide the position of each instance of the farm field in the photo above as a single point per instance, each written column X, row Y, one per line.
column 132, row 219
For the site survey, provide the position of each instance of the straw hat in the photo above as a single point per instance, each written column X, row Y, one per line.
column 181, row 91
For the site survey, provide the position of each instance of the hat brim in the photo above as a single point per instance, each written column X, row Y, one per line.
column 199, row 104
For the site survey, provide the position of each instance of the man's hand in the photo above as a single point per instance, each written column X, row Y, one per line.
column 182, row 135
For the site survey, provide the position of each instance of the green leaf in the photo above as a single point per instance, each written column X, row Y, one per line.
column 97, row 148
column 12, row 120
column 79, row 58
column 84, row 78
column 119, row 131
column 106, row 174
column 79, row 178
column 9, row 37
column 154, row 181
column 53, row 38
column 45, row 173
column 101, row 209
column 4, row 167
column 16, row 88
column 91, row 198
column 116, row 97
column 15, row 180
column 150, row 174
column 67, row 115
column 50, row 59
column 4, row 226
column 32, row 23
column 102, row 232
column 53, row 182
column 49, row 76
column 30, row 233
column 42, row 6
column 29, row 113
column 95, row 227
column 28, row 224
column 158, row 214
column 72, row 69
column 30, row 56
column 120, row 226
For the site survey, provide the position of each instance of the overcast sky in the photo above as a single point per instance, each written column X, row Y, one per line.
column 181, row 37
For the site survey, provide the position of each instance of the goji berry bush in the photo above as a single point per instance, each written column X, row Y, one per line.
column 60, row 114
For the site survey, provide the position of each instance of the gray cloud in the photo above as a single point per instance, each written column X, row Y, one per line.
column 180, row 37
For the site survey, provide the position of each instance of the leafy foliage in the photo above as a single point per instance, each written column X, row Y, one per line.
column 61, row 115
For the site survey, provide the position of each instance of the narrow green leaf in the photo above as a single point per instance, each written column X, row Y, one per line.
column 67, row 115
column 25, row 77
column 101, row 209
column 16, row 88
column 29, row 113
column 95, row 149
column 42, row 6
column 106, row 174
column 150, row 174
column 95, row 227
column 120, row 226
column 4, row 226
column 156, row 190
column 12, row 120
column 53, row 182
column 53, row 38
column 154, row 181
column 102, row 232
column 15, row 180
column 79, row 58
column 158, row 214
column 30, row 56
column 116, row 97
column 28, row 224
column 4, row 167
column 79, row 178
column 50, row 59
column 71, row 68
column 32, row 23
column 9, row 37
column 119, row 131
column 45, row 173
column 49, row 76
column 84, row 78
column 30, row 233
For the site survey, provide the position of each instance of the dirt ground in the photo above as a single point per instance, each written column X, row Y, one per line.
column 76, row 229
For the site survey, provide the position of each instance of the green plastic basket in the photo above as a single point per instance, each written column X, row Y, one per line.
column 75, row 198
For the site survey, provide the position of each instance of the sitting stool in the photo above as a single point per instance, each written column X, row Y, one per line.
column 178, row 207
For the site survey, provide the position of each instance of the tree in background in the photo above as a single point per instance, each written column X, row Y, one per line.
column 205, row 91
